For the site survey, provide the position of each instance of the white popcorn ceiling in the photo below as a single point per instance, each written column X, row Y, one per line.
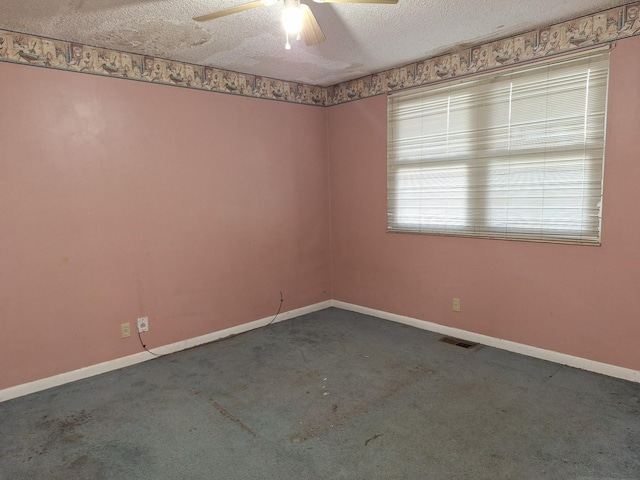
column 361, row 38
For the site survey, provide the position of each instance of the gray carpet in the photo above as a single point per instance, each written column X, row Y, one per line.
column 330, row 395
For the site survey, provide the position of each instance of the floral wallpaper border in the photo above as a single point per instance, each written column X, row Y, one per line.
column 45, row 52
column 598, row 28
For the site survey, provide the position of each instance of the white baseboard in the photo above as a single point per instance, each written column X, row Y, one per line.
column 90, row 371
column 556, row 357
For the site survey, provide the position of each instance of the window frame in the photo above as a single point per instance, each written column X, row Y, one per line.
column 478, row 221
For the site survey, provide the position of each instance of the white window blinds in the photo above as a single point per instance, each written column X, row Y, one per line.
column 518, row 155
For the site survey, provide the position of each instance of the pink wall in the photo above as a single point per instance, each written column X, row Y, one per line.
column 582, row 301
column 120, row 199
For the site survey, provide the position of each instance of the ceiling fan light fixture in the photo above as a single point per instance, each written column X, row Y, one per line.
column 297, row 18
column 292, row 19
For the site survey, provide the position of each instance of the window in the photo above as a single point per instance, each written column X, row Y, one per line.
column 515, row 155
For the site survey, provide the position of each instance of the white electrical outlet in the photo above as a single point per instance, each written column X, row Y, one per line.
column 125, row 330
column 456, row 304
column 143, row 324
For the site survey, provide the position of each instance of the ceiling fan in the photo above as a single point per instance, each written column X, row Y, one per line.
column 297, row 18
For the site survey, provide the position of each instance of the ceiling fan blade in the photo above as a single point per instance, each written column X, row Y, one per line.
column 231, row 10
column 311, row 32
column 357, row 1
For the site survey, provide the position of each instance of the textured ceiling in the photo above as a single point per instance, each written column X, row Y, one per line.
column 361, row 38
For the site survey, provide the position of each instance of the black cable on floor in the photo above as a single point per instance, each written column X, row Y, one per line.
column 160, row 355
column 145, row 347
column 278, row 312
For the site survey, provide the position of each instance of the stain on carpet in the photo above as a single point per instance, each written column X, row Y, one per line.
column 227, row 414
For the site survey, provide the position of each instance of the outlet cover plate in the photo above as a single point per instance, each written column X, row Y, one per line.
column 125, row 330
column 456, row 304
column 143, row 324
